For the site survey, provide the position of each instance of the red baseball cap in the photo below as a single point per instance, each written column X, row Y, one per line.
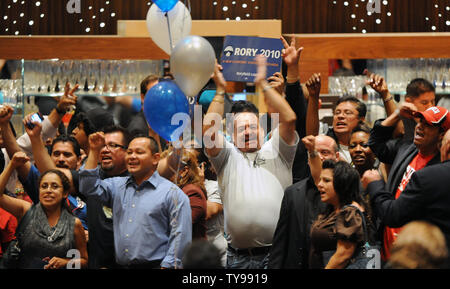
column 436, row 116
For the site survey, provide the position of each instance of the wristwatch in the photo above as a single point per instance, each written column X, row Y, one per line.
column 312, row 154
column 60, row 112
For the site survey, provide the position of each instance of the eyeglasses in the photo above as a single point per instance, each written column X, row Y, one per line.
column 113, row 146
column 53, row 186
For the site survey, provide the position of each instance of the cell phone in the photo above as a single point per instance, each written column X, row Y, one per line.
column 36, row 117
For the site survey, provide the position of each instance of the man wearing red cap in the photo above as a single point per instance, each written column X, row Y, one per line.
column 406, row 160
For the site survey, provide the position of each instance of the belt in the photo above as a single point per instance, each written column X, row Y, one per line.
column 250, row 251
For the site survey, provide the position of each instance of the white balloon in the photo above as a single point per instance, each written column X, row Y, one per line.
column 180, row 22
column 192, row 63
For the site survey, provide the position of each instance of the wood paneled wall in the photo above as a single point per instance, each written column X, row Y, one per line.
column 298, row 16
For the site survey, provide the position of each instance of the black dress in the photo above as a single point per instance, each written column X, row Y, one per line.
column 39, row 240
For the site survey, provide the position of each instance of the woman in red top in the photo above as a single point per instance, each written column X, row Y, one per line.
column 190, row 181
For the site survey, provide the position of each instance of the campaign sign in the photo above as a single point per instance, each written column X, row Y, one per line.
column 238, row 57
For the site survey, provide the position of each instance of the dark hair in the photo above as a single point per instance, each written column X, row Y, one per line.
column 65, row 182
column 93, row 121
column 70, row 139
column 345, row 182
column 360, row 106
column 153, row 143
column 117, row 128
column 244, row 106
column 62, row 128
column 146, row 81
column 202, row 254
column 209, row 172
column 418, row 86
column 362, row 126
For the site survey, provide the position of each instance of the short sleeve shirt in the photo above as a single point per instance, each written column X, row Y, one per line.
column 252, row 186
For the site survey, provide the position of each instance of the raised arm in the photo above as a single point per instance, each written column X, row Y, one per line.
column 312, row 115
column 96, row 143
column 276, row 103
column 291, row 56
column 16, row 207
column 314, row 161
column 9, row 141
column 212, row 123
column 42, row 159
column 378, row 83
column 167, row 167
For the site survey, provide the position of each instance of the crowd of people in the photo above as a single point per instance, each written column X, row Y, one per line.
column 105, row 191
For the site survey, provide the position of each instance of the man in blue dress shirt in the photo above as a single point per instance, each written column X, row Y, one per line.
column 152, row 216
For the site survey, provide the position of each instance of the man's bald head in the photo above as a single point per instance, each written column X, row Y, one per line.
column 445, row 147
column 326, row 147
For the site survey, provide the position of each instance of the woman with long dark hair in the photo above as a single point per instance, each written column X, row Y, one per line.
column 52, row 236
column 340, row 227
column 192, row 184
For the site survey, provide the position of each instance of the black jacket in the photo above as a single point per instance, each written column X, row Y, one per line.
column 426, row 197
column 296, row 99
column 396, row 152
column 291, row 242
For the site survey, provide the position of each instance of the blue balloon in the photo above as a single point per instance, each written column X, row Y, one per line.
column 161, row 103
column 165, row 5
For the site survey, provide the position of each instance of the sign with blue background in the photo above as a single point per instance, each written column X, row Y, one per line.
column 238, row 57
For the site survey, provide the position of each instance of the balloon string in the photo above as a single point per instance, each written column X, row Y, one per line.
column 188, row 5
column 170, row 34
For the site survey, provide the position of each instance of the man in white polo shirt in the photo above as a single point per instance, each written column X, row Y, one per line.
column 252, row 175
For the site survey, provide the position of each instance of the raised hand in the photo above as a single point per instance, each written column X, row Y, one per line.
column 277, row 82
column 96, row 141
column 370, row 176
column 261, row 70
column 290, row 54
column 218, row 78
column 6, row 112
column 36, row 130
column 377, row 82
column 68, row 99
column 310, row 143
column 313, row 85
column 408, row 110
column 19, row 159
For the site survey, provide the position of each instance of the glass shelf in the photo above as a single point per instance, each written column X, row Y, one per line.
column 81, row 93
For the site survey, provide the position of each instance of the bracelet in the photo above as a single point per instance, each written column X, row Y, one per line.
column 60, row 112
column 295, row 79
column 388, row 99
column 312, row 154
column 218, row 100
column 220, row 93
column 266, row 88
